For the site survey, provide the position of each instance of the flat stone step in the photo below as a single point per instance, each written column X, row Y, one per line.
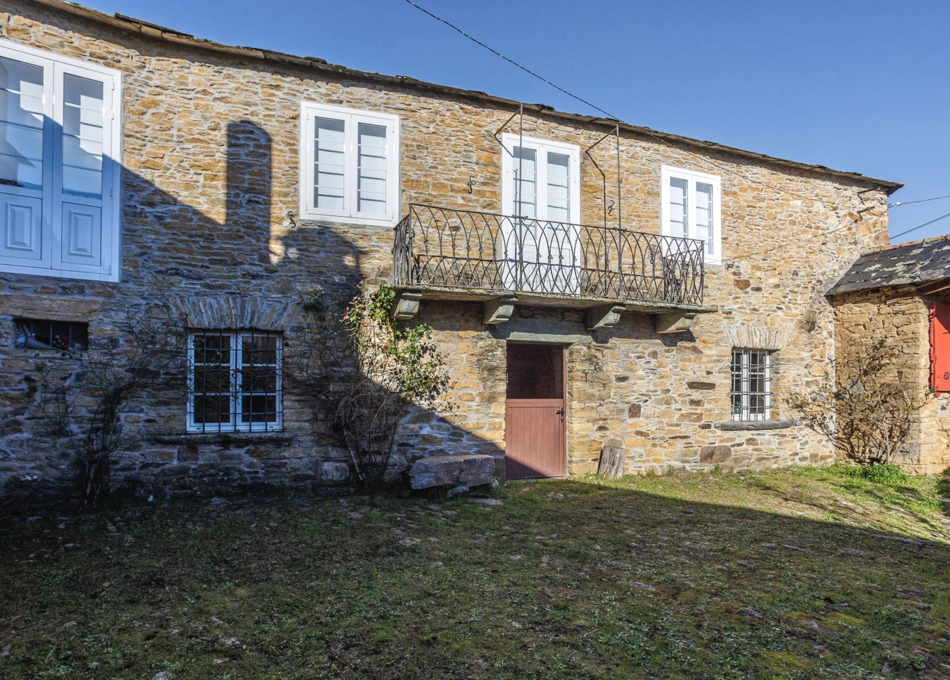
column 469, row 470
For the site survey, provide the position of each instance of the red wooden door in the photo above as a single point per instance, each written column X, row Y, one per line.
column 940, row 346
column 535, row 419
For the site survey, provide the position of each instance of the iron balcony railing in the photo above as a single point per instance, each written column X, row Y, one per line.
column 467, row 250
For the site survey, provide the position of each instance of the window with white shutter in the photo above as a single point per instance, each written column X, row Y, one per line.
column 691, row 208
column 59, row 173
column 349, row 165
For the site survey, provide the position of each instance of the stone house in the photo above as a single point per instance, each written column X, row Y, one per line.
column 901, row 294
column 588, row 280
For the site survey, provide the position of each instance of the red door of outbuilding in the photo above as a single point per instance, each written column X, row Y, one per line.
column 535, row 418
column 940, row 346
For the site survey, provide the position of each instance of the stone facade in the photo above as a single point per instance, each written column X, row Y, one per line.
column 209, row 219
column 901, row 317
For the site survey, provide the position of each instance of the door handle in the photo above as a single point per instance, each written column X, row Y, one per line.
column 560, row 412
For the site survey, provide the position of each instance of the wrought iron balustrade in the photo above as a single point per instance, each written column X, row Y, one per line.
column 467, row 250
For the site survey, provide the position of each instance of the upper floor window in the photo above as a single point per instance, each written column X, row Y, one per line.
column 691, row 208
column 541, row 191
column 59, row 177
column 349, row 165
column 541, row 179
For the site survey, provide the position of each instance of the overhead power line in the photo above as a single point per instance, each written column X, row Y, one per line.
column 922, row 200
column 512, row 61
column 643, row 130
column 920, row 226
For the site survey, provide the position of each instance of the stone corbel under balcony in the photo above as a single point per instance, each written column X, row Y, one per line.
column 406, row 305
column 607, row 316
column 673, row 322
column 498, row 311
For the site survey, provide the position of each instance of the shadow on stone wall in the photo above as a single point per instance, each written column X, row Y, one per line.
column 230, row 274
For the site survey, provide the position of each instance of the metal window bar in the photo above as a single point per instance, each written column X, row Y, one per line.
column 751, row 384
column 49, row 334
column 463, row 249
column 234, row 381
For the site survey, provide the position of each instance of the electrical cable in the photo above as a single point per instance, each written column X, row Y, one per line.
column 645, row 131
column 922, row 200
column 921, row 226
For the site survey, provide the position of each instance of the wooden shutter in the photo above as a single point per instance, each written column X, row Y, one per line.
column 940, row 346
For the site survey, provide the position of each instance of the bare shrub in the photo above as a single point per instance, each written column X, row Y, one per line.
column 868, row 415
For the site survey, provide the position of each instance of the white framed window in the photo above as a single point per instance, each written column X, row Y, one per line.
column 692, row 208
column 59, row 171
column 541, row 179
column 349, row 165
column 234, row 381
column 541, row 191
column 751, row 384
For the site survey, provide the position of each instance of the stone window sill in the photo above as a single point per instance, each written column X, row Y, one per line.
column 755, row 424
column 226, row 438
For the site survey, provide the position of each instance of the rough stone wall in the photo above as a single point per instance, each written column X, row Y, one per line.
column 902, row 320
column 209, row 204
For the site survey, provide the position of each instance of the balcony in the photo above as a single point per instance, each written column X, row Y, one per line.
column 448, row 254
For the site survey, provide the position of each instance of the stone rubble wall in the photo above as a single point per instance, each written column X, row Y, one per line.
column 902, row 320
column 209, row 211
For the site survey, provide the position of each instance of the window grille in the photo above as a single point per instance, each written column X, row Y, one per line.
column 234, row 381
column 70, row 336
column 751, row 384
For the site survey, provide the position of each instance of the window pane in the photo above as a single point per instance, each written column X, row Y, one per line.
column 679, row 207
column 371, row 191
column 83, row 106
column 559, row 179
column 21, row 124
column 258, row 349
column 525, row 177
column 259, row 408
column 212, row 349
column 212, row 409
column 329, row 146
column 704, row 215
column 213, row 379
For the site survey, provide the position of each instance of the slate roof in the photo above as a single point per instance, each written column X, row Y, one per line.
column 911, row 263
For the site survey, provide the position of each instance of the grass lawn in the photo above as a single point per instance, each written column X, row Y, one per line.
column 794, row 573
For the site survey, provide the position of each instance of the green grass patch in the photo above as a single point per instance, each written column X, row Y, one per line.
column 790, row 573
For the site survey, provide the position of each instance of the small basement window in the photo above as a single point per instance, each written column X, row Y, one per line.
column 70, row 336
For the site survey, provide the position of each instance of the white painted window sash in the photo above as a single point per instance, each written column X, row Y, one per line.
column 351, row 118
column 236, row 391
column 712, row 251
column 542, row 148
column 98, row 258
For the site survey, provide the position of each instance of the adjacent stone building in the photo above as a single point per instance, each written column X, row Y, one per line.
column 899, row 294
column 587, row 280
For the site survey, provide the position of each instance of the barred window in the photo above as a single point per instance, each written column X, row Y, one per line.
column 751, row 384
column 234, row 381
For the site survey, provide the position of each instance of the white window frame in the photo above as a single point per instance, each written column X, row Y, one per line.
column 309, row 112
column 235, row 361
column 52, row 262
column 509, row 163
column 744, row 412
column 713, row 256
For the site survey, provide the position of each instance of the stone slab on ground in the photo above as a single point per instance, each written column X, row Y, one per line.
column 465, row 470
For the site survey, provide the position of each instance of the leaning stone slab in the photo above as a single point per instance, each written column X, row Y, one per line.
column 468, row 470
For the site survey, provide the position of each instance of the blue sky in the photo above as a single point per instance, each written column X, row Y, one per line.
column 856, row 85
